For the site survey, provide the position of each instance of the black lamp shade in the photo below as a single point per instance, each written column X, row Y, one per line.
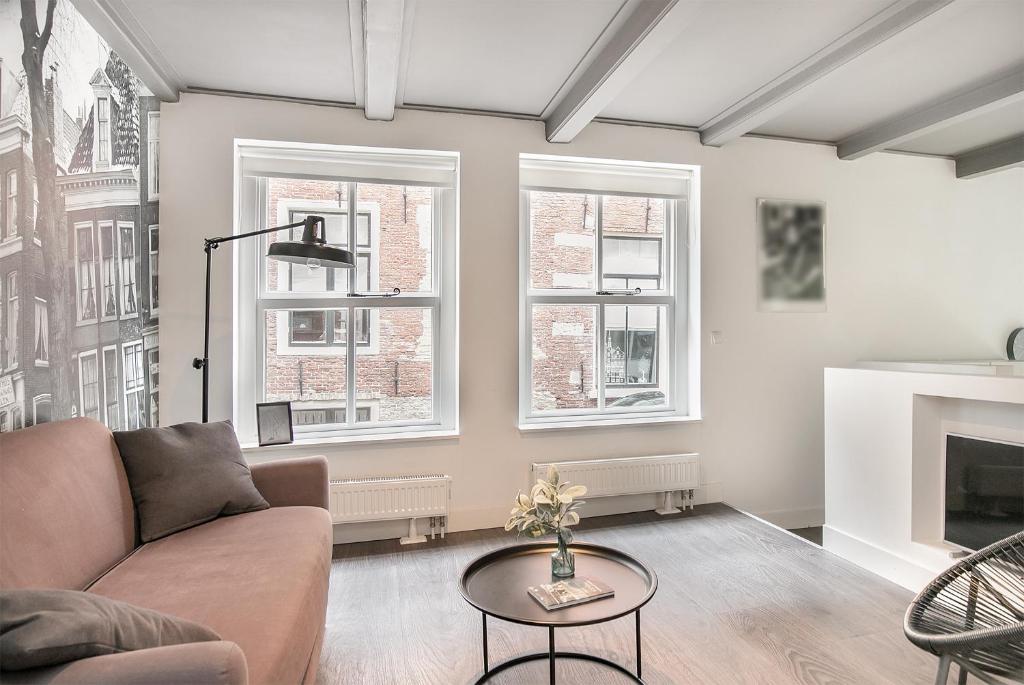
column 312, row 246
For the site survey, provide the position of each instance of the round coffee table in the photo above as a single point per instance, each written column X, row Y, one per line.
column 495, row 583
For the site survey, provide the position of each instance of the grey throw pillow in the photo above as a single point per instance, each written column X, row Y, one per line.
column 50, row 627
column 184, row 475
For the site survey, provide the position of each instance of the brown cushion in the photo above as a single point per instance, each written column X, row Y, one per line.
column 47, row 627
column 184, row 475
column 259, row 580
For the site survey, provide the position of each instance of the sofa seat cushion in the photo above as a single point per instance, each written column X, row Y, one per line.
column 258, row 579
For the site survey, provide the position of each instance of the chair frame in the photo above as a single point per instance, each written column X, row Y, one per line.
column 956, row 647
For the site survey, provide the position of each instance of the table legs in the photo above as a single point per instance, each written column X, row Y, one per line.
column 639, row 663
column 551, row 654
column 486, row 669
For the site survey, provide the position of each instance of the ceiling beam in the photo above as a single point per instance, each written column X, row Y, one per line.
column 782, row 93
column 937, row 115
column 382, row 56
column 991, row 158
column 115, row 22
column 637, row 34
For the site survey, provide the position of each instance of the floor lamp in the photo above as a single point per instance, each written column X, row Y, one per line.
column 311, row 250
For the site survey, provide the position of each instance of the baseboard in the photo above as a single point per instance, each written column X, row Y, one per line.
column 793, row 518
column 495, row 517
column 880, row 561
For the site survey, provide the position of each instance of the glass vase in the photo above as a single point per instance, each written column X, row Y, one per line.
column 563, row 563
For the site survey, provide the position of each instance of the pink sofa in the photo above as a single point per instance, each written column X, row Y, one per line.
column 258, row 579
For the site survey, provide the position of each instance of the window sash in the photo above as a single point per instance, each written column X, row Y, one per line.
column 673, row 295
column 258, row 301
column 12, row 204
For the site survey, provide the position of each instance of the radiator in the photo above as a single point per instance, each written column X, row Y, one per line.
column 666, row 475
column 393, row 497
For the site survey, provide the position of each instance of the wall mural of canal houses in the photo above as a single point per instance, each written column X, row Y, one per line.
column 79, row 225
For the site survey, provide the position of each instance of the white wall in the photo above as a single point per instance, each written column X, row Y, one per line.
column 919, row 266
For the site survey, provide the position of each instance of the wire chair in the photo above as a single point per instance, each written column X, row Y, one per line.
column 973, row 615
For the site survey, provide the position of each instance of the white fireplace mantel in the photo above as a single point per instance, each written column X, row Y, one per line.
column 884, row 428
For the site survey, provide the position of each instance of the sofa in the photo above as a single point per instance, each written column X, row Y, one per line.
column 258, row 579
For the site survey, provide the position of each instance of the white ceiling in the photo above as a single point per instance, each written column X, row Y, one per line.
column 523, row 56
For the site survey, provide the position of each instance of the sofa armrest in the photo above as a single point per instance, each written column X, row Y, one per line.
column 293, row 482
column 196, row 663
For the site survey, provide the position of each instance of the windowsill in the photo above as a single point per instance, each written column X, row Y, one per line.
column 405, row 436
column 576, row 422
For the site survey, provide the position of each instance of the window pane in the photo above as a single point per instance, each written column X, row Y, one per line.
column 564, row 341
column 394, row 372
column 290, row 200
column 636, row 366
column 299, row 373
column 394, row 233
column 308, row 327
column 633, row 232
column 562, row 240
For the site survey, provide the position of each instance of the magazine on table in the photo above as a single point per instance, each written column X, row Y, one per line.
column 569, row 592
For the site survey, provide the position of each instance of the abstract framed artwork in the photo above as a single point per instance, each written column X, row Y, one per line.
column 790, row 255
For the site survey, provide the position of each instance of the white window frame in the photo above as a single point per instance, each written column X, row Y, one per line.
column 253, row 300
column 139, row 389
column 41, row 326
column 115, row 262
column 153, row 376
column 82, row 356
column 104, row 153
column 153, row 157
column 38, row 400
column 12, row 319
column 122, row 289
column 105, row 400
column 680, row 293
column 11, row 206
column 96, row 270
column 154, row 270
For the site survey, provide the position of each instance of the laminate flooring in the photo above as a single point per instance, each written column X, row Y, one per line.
column 738, row 601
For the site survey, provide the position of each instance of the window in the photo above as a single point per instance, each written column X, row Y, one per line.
column 111, row 389
column 332, row 339
column 153, row 155
column 108, row 270
column 35, row 205
column 89, row 384
column 154, row 271
column 609, row 292
column 13, row 322
column 129, row 298
column 41, row 409
column 153, row 367
column 42, row 333
column 103, row 130
column 12, row 204
column 85, row 274
column 134, row 386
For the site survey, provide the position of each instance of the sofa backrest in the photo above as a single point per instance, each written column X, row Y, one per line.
column 66, row 513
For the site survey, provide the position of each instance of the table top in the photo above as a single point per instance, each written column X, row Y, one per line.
column 496, row 584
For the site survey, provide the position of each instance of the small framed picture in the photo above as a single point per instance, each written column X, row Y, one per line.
column 791, row 255
column 274, row 423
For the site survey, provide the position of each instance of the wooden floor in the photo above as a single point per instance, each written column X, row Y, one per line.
column 738, row 602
